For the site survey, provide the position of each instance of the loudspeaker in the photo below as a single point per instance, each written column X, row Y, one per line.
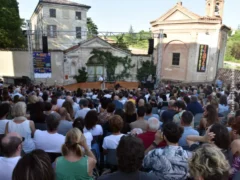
column 45, row 44
column 150, row 46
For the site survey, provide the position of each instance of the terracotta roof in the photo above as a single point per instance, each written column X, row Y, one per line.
column 65, row 2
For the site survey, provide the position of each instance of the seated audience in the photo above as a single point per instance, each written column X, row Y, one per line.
column 167, row 116
column 130, row 154
column 83, row 109
column 79, row 123
column 34, row 166
column 50, row 140
column 11, row 147
column 91, row 125
column 149, row 113
column 74, row 164
column 140, row 122
column 141, row 103
column 194, row 106
column 22, row 126
column 103, row 115
column 223, row 105
column 126, row 127
column 68, row 106
column 235, row 148
column 149, row 136
column 130, row 112
column 4, row 111
column 209, row 163
column 170, row 162
column 47, row 108
column 65, row 125
column 37, row 115
column 117, row 103
column 186, row 121
column 111, row 141
column 179, row 108
column 54, row 104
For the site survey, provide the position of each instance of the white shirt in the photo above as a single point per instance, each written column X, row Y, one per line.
column 89, row 139
column 6, row 167
column 123, row 101
column 147, row 96
column 3, row 125
column 48, row 142
column 95, row 131
column 100, row 78
column 112, row 141
column 108, row 96
column 16, row 94
column 82, row 113
column 94, row 96
column 76, row 107
column 60, row 102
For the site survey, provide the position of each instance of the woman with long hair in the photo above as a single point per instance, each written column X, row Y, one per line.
column 68, row 106
column 74, row 164
column 130, row 112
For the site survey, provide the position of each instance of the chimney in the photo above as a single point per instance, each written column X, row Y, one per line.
column 179, row 3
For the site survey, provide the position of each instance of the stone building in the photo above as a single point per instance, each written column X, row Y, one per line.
column 64, row 22
column 194, row 48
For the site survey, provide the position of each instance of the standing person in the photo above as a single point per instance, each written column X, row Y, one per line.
column 22, row 126
column 101, row 80
column 11, row 147
column 4, row 111
column 83, row 109
column 73, row 164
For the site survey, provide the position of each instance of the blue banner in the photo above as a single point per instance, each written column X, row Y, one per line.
column 42, row 65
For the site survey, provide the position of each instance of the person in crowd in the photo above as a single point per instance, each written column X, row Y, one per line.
column 4, row 111
column 130, row 154
column 186, row 100
column 50, row 140
column 65, row 125
column 112, row 141
column 11, row 147
column 209, row 163
column 179, row 108
column 126, row 127
column 167, row 116
column 48, row 108
column 22, row 126
column 118, row 104
column 32, row 99
column 34, row 166
column 149, row 136
column 54, row 104
column 130, row 112
column 68, row 106
column 83, row 109
column 73, row 164
column 110, row 110
column 209, row 118
column 103, row 115
column 60, row 100
column 91, row 125
column 141, row 103
column 186, row 122
column 79, row 123
column 194, row 106
column 37, row 115
column 75, row 106
column 170, row 162
column 235, row 149
column 149, row 113
column 122, row 99
column 223, row 105
column 131, row 99
column 140, row 122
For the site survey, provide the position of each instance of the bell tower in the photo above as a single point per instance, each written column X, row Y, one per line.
column 214, row 8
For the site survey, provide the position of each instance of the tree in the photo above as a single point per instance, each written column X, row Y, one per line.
column 235, row 51
column 131, row 37
column 82, row 75
column 233, row 47
column 120, row 43
column 147, row 68
column 11, row 35
column 92, row 28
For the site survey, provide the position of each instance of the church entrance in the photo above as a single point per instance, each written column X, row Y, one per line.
column 94, row 69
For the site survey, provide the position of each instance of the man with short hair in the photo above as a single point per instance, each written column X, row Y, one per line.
column 60, row 101
column 140, row 122
column 194, row 106
column 11, row 147
column 149, row 113
column 64, row 125
column 167, row 116
column 50, row 140
column 83, row 109
column 141, row 103
column 118, row 104
column 149, row 136
column 186, row 121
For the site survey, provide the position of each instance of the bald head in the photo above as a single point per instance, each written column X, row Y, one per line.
column 116, row 98
column 235, row 147
column 11, row 145
column 69, row 99
column 63, row 112
column 141, row 102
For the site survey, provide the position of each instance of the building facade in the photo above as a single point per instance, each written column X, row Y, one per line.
column 194, row 47
column 62, row 21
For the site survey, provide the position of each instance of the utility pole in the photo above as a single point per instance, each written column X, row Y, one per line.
column 30, row 49
column 159, row 59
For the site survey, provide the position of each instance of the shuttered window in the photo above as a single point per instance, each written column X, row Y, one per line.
column 78, row 32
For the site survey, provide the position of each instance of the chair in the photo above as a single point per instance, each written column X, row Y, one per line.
column 53, row 156
column 197, row 119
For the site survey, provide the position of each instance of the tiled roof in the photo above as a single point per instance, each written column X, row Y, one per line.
column 64, row 2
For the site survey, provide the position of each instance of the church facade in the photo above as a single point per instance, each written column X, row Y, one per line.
column 194, row 46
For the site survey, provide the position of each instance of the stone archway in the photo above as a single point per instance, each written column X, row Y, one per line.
column 94, row 69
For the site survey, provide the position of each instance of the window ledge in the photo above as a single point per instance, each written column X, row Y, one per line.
column 175, row 66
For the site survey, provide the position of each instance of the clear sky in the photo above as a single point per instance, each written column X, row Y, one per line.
column 118, row 15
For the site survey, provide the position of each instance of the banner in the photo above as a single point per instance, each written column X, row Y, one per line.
column 202, row 58
column 42, row 65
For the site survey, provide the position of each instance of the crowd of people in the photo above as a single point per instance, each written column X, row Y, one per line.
column 170, row 133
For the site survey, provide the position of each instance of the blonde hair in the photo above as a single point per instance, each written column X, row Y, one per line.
column 32, row 99
column 72, row 142
column 19, row 109
column 209, row 162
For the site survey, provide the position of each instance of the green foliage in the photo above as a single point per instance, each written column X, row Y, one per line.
column 92, row 28
column 127, row 65
column 82, row 75
column 110, row 62
column 120, row 42
column 11, row 35
column 233, row 48
column 147, row 68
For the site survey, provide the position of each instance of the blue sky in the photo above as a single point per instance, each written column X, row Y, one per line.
column 118, row 15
